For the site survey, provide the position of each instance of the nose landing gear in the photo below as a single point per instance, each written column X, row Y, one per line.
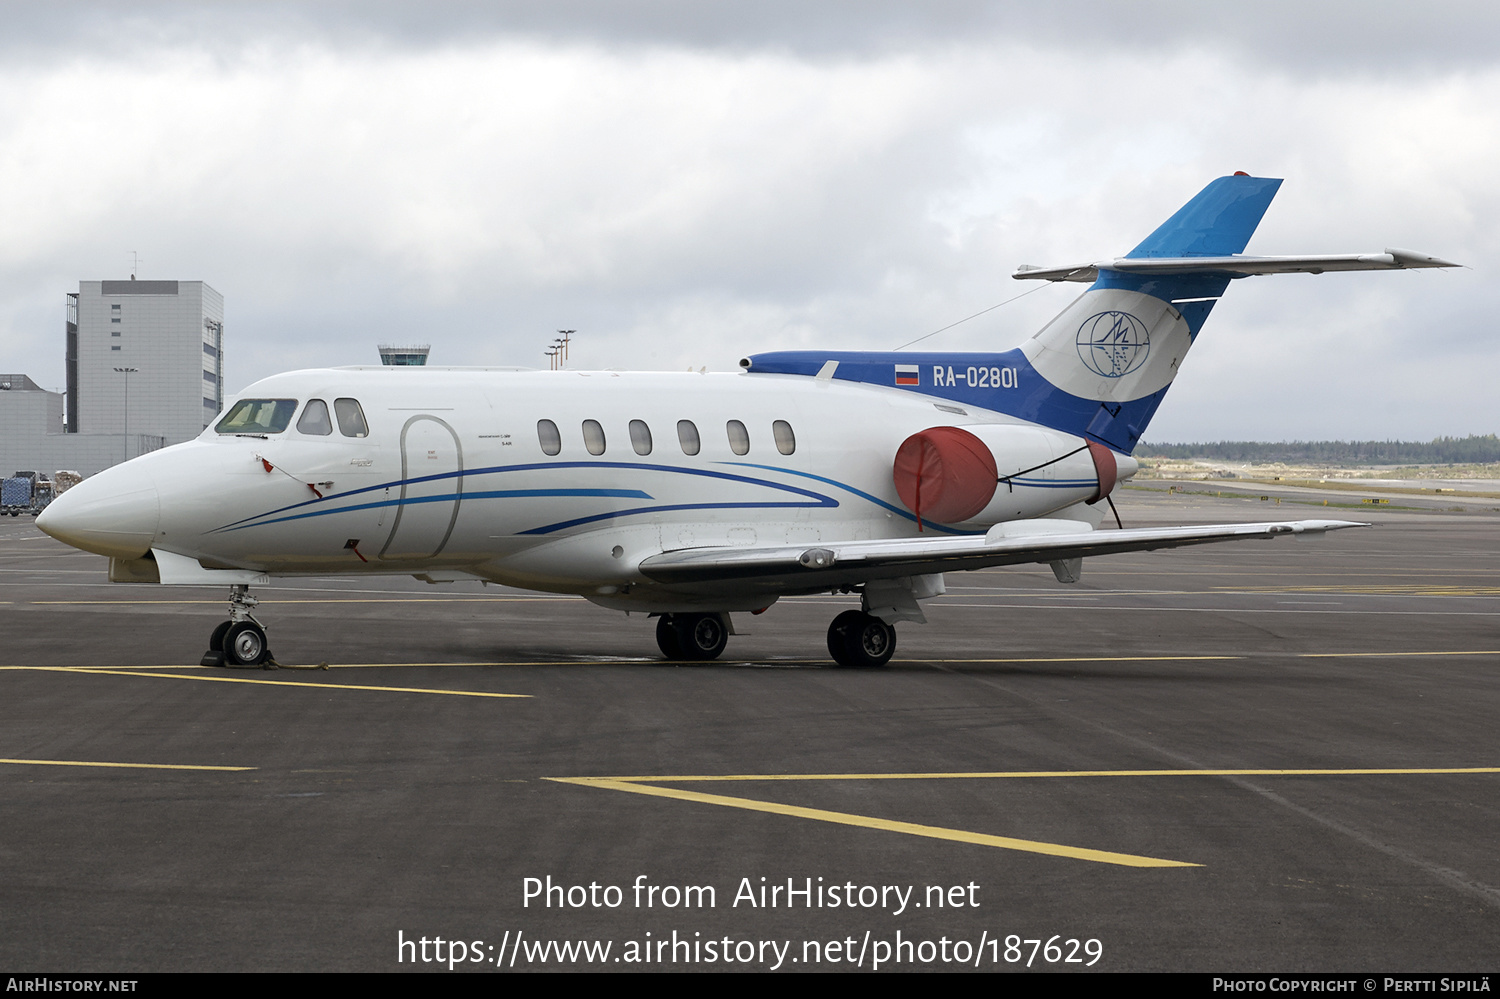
column 240, row 641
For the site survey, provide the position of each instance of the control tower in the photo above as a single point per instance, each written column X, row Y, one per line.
column 413, row 356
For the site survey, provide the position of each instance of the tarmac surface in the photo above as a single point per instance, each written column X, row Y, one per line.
column 1259, row 756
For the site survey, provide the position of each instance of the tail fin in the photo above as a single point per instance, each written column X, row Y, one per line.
column 1120, row 344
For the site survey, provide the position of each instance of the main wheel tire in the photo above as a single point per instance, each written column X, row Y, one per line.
column 666, row 637
column 216, row 640
column 245, row 645
column 838, row 636
column 700, row 636
column 857, row 640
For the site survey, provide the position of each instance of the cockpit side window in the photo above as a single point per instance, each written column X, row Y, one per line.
column 315, row 421
column 351, row 418
column 257, row 416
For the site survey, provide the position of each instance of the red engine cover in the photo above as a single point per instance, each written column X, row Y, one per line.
column 1106, row 467
column 945, row 474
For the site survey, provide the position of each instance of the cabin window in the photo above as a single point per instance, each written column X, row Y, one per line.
column 739, row 437
column 786, row 441
column 548, row 437
column 687, row 436
column 640, row 436
column 593, row 436
column 257, row 416
column 315, row 421
column 351, row 418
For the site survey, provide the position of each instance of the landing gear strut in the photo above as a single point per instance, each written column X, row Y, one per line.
column 692, row 636
column 857, row 640
column 240, row 641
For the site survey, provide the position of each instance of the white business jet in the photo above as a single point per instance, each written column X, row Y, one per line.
column 690, row 496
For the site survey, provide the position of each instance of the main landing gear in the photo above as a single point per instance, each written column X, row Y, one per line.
column 690, row 637
column 240, row 641
column 857, row 640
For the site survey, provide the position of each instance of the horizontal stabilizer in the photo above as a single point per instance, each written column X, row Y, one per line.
column 809, row 569
column 1236, row 265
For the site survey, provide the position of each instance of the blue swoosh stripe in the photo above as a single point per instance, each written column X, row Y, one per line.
column 563, row 525
column 449, row 497
column 861, row 494
column 817, row 499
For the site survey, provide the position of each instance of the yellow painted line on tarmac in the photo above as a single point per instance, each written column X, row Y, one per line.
column 316, row 600
column 992, row 775
column 293, row 666
column 302, row 667
column 731, row 661
column 1079, row 659
column 1160, row 659
column 273, row 683
column 648, row 785
column 1393, row 655
column 1396, row 589
column 888, row 825
column 132, row 766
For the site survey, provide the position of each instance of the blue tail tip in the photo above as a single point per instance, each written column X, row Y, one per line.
column 1218, row 222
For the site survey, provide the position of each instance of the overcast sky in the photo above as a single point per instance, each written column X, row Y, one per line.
column 685, row 183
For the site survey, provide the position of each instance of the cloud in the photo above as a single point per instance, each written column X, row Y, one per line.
column 685, row 184
column 1335, row 36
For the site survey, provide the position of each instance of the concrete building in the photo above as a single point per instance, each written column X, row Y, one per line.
column 32, row 438
column 145, row 368
column 149, row 354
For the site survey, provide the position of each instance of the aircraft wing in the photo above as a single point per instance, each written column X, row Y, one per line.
column 1237, row 266
column 810, row 568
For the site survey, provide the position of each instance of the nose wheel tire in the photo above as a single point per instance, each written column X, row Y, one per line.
column 245, row 644
column 857, row 640
column 688, row 637
column 216, row 640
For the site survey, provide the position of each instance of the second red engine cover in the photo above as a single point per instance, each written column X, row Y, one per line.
column 945, row 474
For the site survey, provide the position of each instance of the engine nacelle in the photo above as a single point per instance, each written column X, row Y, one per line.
column 985, row 474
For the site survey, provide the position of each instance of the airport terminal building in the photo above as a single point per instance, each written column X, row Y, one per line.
column 145, row 369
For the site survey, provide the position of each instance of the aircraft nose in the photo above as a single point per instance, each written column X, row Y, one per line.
column 114, row 513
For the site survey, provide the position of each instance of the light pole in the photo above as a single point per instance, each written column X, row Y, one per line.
column 126, row 372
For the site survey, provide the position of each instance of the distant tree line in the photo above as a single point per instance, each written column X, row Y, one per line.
column 1474, row 449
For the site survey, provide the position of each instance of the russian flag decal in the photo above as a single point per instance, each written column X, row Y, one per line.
column 906, row 374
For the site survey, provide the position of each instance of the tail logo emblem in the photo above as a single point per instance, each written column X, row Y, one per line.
column 1113, row 344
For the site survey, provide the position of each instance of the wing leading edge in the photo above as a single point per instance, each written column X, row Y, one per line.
column 803, row 568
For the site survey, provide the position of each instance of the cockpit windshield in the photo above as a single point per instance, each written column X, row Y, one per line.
column 257, row 416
